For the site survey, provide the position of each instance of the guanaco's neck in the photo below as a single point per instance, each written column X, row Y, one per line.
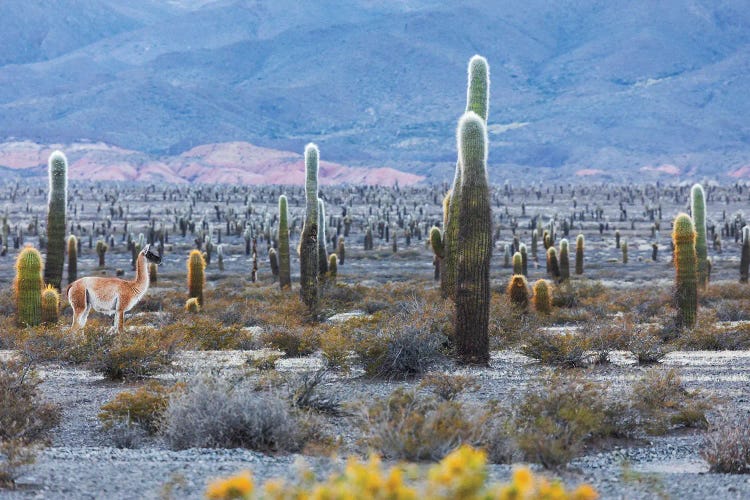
column 141, row 273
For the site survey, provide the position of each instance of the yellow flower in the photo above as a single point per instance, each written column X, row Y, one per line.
column 234, row 487
column 523, row 480
column 585, row 492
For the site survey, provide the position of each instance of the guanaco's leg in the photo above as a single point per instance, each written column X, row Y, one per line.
column 77, row 299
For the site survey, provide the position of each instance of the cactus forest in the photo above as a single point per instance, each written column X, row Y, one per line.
column 456, row 338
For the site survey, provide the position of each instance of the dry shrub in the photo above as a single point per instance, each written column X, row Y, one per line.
column 646, row 345
column 217, row 413
column 305, row 393
column 411, row 426
column 707, row 335
column 508, row 324
column 143, row 407
column 726, row 447
column 663, row 403
column 24, row 420
column 293, row 341
column 567, row 350
column 201, row 332
column 448, row 387
column 132, row 355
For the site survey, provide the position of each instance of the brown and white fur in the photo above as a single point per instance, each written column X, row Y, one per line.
column 110, row 295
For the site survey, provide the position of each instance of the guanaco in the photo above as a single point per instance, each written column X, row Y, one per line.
column 111, row 295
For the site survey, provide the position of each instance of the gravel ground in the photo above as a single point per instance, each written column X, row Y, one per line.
column 83, row 463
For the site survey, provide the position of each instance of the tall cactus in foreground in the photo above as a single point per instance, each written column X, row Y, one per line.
column 564, row 260
column 72, row 259
column 56, row 207
column 196, row 267
column 475, row 235
column 285, row 277
column 322, row 251
column 28, row 287
column 745, row 256
column 698, row 209
column 309, row 238
column 579, row 254
column 50, row 305
column 686, row 270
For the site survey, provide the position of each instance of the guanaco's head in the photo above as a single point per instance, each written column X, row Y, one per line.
column 150, row 255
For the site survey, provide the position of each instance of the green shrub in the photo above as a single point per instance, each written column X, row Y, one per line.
column 144, row 406
column 132, row 355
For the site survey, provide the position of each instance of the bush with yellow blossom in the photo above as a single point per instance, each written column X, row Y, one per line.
column 462, row 475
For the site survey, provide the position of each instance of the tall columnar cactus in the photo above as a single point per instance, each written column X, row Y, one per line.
column 28, row 287
column 333, row 268
column 478, row 88
column 322, row 251
column 56, row 207
column 534, row 243
column 524, row 260
column 579, row 254
column 686, row 270
column 624, row 248
column 50, row 305
column 196, row 268
column 745, row 257
column 517, row 263
column 72, row 259
column 437, row 242
column 101, row 251
column 341, row 250
column 542, row 297
column 518, row 291
column 698, row 209
column 553, row 263
column 475, row 235
column 564, row 260
column 309, row 239
column 285, row 277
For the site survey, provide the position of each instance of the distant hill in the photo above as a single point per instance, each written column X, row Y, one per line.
column 599, row 88
column 227, row 163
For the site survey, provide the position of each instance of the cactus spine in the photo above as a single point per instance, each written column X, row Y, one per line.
column 579, row 254
column 564, row 260
column 475, row 234
column 28, row 287
column 196, row 267
column 56, row 207
column 72, row 259
column 542, row 299
column 285, row 278
column 698, row 209
column 50, row 305
column 518, row 291
column 686, row 270
column 309, row 239
column 745, row 257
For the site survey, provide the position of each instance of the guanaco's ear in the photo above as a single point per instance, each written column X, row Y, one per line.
column 145, row 249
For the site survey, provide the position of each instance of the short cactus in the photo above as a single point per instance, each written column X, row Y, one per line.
column 341, row 250
column 553, row 264
column 72, row 259
column 524, row 259
column 518, row 291
column 542, row 297
column 579, row 254
column 28, row 287
column 50, row 305
column 686, row 270
column 192, row 305
column 101, row 251
column 517, row 263
column 624, row 248
column 285, row 279
column 196, row 267
column 56, row 208
column 333, row 268
column 564, row 260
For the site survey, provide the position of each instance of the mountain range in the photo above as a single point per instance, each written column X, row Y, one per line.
column 612, row 90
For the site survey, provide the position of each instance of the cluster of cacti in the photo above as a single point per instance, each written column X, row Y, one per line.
column 72, row 259
column 542, row 297
column 698, row 209
column 686, row 270
column 196, row 276
column 101, row 251
column 579, row 254
column 28, row 287
column 56, row 211
column 285, row 278
column 50, row 305
column 309, row 264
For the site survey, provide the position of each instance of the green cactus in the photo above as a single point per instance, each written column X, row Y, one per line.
column 686, row 270
column 50, row 305
column 478, row 88
column 438, row 248
column 341, row 250
column 624, row 248
column 153, row 273
column 101, row 251
column 196, row 277
column 698, row 209
column 745, row 257
column 57, row 205
column 517, row 263
column 192, row 305
column 524, row 259
column 518, row 291
column 273, row 261
column 322, row 251
column 534, row 243
column 542, row 297
column 553, row 263
column 617, row 238
column 475, row 235
column 579, row 254
column 564, row 260
column 309, row 264
column 368, row 239
column 285, row 277
column 220, row 256
column 333, row 268
column 28, row 287
column 72, row 259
